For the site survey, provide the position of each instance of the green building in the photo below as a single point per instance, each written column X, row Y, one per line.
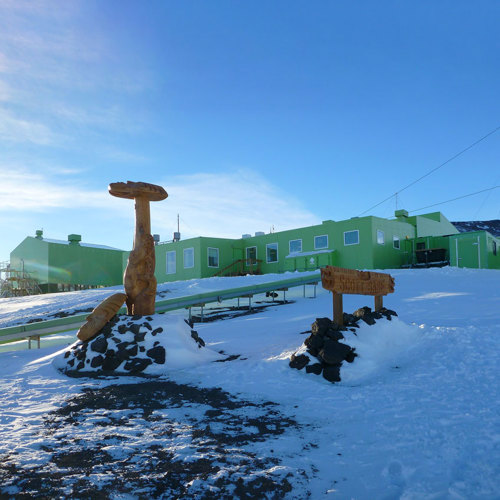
column 67, row 265
column 361, row 243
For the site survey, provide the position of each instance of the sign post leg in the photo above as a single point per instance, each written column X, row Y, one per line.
column 379, row 301
column 338, row 311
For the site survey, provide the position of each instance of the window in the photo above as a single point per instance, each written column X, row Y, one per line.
column 188, row 256
column 251, row 253
column 421, row 245
column 213, row 257
column 395, row 242
column 320, row 242
column 271, row 252
column 494, row 248
column 171, row 262
column 380, row 237
column 351, row 237
column 295, row 246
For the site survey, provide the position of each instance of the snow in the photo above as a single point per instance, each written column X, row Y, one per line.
column 416, row 415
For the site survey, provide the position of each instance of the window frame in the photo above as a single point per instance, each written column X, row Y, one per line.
column 321, row 236
column 184, row 257
column 351, row 231
column 380, row 233
column 267, row 254
column 208, row 257
column 398, row 239
column 293, row 241
column 247, row 259
column 170, row 252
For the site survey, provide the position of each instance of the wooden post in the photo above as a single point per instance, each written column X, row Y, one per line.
column 338, row 310
column 379, row 302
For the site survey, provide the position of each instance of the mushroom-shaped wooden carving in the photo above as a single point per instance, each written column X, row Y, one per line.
column 139, row 279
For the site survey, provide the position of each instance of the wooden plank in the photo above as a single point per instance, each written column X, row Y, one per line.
column 338, row 309
column 379, row 302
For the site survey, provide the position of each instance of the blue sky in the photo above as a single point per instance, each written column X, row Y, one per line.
column 252, row 115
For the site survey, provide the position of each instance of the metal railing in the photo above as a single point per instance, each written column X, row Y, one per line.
column 33, row 331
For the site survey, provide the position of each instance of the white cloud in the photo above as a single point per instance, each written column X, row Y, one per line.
column 227, row 205
column 22, row 191
column 16, row 129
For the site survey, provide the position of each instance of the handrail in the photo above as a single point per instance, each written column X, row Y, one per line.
column 60, row 325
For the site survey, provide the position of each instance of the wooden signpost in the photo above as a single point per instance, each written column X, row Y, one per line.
column 340, row 281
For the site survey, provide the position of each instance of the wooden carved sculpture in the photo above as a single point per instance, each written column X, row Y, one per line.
column 100, row 316
column 139, row 279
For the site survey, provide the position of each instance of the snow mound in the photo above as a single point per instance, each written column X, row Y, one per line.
column 149, row 345
column 379, row 347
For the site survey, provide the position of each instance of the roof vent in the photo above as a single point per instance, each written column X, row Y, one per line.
column 74, row 238
column 401, row 213
column 260, row 233
column 39, row 234
column 156, row 238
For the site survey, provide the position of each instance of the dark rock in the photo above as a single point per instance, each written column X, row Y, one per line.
column 349, row 319
column 194, row 334
column 189, row 323
column 332, row 373
column 333, row 352
column 350, row 356
column 97, row 361
column 156, row 331
column 137, row 365
column 334, row 334
column 314, row 341
column 81, row 355
column 71, row 362
column 321, row 325
column 316, row 368
column 134, row 328
column 156, row 343
column 111, row 363
column 122, row 329
column 157, row 354
column 106, row 329
column 142, row 348
column 368, row 319
column 66, row 354
column 149, row 318
column 127, row 350
column 80, row 365
column 139, row 337
column 361, row 312
column 299, row 361
column 135, row 317
column 99, row 344
column 201, row 342
column 147, row 325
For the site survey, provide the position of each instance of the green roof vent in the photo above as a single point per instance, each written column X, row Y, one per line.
column 74, row 238
column 401, row 213
column 39, row 234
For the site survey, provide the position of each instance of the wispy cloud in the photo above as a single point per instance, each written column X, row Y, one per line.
column 227, row 205
column 16, row 129
column 22, row 190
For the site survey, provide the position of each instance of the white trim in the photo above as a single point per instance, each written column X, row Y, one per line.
column 379, row 231
column 277, row 254
column 394, row 239
column 184, row 257
column 352, row 231
column 292, row 241
column 208, row 257
column 175, row 262
column 321, row 236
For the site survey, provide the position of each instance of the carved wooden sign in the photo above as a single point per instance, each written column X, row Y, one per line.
column 339, row 281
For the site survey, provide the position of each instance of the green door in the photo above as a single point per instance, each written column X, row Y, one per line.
column 468, row 254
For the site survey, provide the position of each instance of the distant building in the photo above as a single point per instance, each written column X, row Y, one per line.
column 360, row 242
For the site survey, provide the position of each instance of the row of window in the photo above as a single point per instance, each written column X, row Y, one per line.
column 381, row 239
column 294, row 246
column 188, row 259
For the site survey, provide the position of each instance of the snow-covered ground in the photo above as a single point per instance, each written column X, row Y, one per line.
column 415, row 417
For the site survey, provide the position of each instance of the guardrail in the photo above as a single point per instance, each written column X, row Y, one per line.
column 33, row 331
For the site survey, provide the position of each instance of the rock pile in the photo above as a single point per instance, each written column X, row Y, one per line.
column 327, row 344
column 126, row 345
